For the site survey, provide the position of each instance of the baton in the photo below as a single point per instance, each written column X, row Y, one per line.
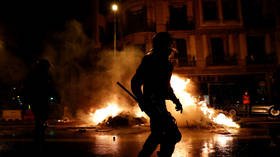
column 127, row 91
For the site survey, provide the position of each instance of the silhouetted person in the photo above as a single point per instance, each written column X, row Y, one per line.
column 154, row 74
column 247, row 103
column 38, row 88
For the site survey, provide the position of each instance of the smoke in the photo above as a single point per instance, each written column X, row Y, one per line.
column 116, row 68
column 12, row 68
column 86, row 79
column 101, row 82
column 109, row 70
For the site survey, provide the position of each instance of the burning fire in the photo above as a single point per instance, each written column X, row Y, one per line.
column 188, row 101
column 179, row 86
column 111, row 110
column 219, row 118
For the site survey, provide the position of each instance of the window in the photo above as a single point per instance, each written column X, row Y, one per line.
column 210, row 9
column 182, row 52
column 258, row 13
column 251, row 11
column 178, row 17
column 217, row 51
column 256, row 49
column 230, row 11
column 216, row 10
column 136, row 20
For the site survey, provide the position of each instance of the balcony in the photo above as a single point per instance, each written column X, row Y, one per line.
column 136, row 28
column 261, row 59
column 180, row 25
column 221, row 61
column 184, row 62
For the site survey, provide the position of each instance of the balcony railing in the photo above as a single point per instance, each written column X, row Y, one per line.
column 261, row 59
column 137, row 28
column 219, row 61
column 184, row 62
column 180, row 25
column 260, row 22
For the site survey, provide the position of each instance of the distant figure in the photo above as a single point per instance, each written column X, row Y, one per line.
column 154, row 74
column 247, row 103
column 38, row 88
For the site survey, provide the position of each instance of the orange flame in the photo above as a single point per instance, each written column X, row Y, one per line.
column 188, row 101
column 179, row 85
column 111, row 110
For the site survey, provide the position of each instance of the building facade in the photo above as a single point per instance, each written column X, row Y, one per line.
column 225, row 46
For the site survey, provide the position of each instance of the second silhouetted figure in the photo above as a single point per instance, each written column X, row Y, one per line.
column 38, row 90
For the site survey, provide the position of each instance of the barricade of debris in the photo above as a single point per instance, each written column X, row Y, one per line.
column 124, row 119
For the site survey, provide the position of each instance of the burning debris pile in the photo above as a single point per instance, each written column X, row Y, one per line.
column 114, row 115
column 123, row 119
column 196, row 113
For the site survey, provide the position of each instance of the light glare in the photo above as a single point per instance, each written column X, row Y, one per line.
column 115, row 7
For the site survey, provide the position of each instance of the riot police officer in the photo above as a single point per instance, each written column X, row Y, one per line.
column 154, row 74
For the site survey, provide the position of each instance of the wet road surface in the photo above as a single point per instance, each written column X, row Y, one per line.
column 126, row 142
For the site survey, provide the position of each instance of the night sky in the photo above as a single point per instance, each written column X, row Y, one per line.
column 25, row 24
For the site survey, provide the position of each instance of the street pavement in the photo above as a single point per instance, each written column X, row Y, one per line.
column 69, row 140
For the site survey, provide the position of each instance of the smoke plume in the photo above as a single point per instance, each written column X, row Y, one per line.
column 86, row 78
column 12, row 68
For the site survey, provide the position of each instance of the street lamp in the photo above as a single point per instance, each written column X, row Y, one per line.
column 115, row 9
